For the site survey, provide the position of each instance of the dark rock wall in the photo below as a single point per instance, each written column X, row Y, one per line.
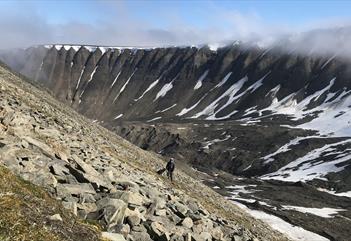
column 85, row 78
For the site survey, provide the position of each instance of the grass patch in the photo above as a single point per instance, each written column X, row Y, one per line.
column 25, row 211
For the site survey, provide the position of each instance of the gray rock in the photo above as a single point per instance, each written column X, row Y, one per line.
column 42, row 146
column 133, row 220
column 117, row 194
column 203, row 211
column 160, row 203
column 203, row 236
column 174, row 218
column 75, row 189
column 87, row 198
column 72, row 206
column 157, row 231
column 204, row 225
column 24, row 144
column 140, row 236
column 132, row 198
column 106, row 201
column 112, row 236
column 176, row 237
column 179, row 209
column 139, row 228
column 88, row 174
column 126, row 185
column 161, row 212
column 187, row 222
column 125, row 230
column 58, row 169
column 113, row 211
column 56, row 217
column 41, row 178
column 88, row 207
column 217, row 233
column 188, row 237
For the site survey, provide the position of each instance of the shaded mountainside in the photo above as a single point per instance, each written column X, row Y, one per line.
column 100, row 177
column 176, row 83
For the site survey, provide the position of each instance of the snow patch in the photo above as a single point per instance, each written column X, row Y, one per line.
column 287, row 147
column 295, row 233
column 167, row 87
column 92, row 74
column 199, row 81
column 306, row 168
column 166, row 109
column 321, row 212
column 156, row 118
column 224, row 80
column 152, row 85
column 118, row 116
column 124, row 86
column 114, row 81
column 340, row 194
column 80, row 77
column 210, row 110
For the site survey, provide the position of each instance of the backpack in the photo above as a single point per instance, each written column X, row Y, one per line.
column 170, row 166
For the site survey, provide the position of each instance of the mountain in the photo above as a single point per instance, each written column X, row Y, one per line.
column 278, row 119
column 236, row 83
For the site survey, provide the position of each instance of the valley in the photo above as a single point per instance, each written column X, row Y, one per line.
column 264, row 128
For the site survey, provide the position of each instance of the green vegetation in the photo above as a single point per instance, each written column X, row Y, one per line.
column 26, row 210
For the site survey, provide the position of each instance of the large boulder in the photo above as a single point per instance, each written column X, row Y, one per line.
column 86, row 173
column 112, row 211
column 132, row 198
column 157, row 231
column 64, row 190
column 187, row 222
column 179, row 209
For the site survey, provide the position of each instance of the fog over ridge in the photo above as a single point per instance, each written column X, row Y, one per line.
column 26, row 27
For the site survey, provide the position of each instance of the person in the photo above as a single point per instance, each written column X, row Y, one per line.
column 170, row 168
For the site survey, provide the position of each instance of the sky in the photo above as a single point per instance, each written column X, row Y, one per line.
column 159, row 23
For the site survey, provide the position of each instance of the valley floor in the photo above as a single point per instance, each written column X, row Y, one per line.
column 299, row 209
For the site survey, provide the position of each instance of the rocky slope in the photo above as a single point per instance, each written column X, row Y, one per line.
column 102, row 178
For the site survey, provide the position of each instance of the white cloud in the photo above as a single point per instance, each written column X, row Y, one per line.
column 25, row 26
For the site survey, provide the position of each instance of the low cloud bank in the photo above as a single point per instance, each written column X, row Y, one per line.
column 23, row 28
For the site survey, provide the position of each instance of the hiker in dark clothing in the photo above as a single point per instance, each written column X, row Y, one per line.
column 170, row 168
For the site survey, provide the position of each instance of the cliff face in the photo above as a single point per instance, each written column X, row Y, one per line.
column 176, row 83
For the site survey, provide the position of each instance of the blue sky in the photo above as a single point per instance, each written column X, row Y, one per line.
column 150, row 22
column 191, row 11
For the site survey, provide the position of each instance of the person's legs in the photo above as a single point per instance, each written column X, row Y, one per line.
column 171, row 175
